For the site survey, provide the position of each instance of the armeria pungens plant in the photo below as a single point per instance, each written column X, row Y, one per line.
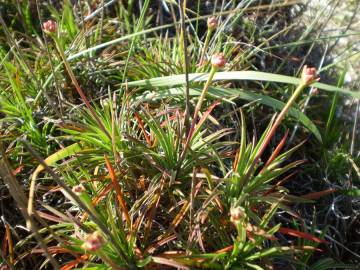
column 141, row 135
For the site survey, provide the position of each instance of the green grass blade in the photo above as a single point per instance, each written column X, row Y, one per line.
column 118, row 40
column 61, row 154
column 236, row 76
column 333, row 104
column 50, row 161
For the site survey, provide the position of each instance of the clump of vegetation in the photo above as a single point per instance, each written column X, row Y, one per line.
column 173, row 135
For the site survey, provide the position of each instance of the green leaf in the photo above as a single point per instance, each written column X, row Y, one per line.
column 118, row 40
column 352, row 192
column 236, row 76
column 67, row 20
column 144, row 262
column 329, row 263
column 332, row 111
column 50, row 161
column 268, row 252
column 61, row 154
column 254, row 266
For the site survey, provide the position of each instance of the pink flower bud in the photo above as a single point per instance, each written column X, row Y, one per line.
column 78, row 189
column 308, row 75
column 218, row 60
column 49, row 26
column 93, row 242
column 212, row 23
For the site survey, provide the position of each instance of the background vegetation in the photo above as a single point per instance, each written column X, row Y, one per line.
column 124, row 147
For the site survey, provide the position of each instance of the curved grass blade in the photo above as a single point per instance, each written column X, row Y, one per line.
column 51, row 160
column 236, row 76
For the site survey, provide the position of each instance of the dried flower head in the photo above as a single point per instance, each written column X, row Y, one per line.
column 236, row 213
column 49, row 26
column 212, row 23
column 309, row 76
column 218, row 60
column 78, row 189
column 93, row 242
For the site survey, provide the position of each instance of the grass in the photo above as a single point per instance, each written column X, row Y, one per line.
column 124, row 147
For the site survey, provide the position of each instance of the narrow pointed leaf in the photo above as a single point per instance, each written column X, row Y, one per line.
column 238, row 76
column 300, row 234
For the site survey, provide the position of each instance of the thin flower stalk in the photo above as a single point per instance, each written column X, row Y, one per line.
column 307, row 78
column 212, row 24
column 218, row 61
column 50, row 28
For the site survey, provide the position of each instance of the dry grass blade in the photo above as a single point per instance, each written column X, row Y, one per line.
column 179, row 216
column 9, row 244
column 49, row 217
column 152, row 248
column 70, row 265
column 184, row 45
column 205, row 115
column 319, row 194
column 18, row 194
column 154, row 206
column 142, row 126
column 276, row 151
column 279, row 183
column 5, row 262
column 97, row 199
column 300, row 234
column 151, row 215
column 119, row 193
column 169, row 262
